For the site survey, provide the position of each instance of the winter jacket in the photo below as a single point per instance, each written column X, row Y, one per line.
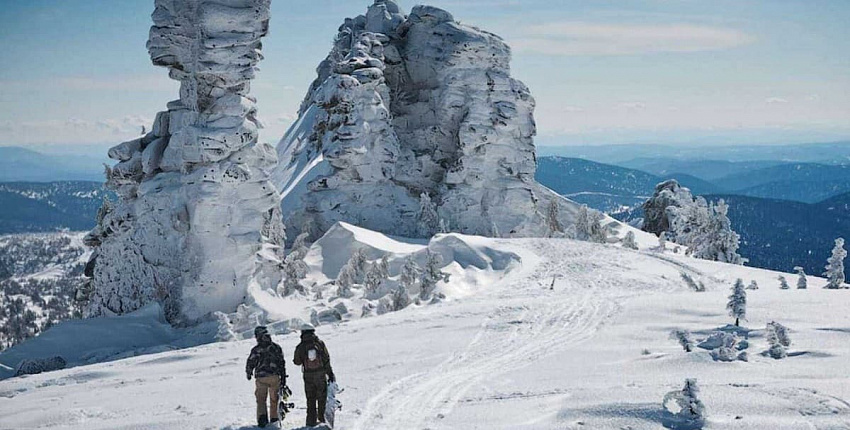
column 310, row 341
column 266, row 359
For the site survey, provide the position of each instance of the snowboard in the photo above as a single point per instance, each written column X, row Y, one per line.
column 332, row 404
column 283, row 404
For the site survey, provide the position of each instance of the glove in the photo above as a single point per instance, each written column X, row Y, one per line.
column 331, row 378
column 249, row 376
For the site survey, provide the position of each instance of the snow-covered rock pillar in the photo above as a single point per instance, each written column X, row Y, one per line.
column 198, row 218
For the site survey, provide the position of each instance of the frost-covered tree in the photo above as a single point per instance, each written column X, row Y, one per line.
column 753, row 285
column 835, row 266
column 737, row 304
column 360, row 263
column 778, row 339
column 427, row 218
column 684, row 339
column 400, row 298
column 378, row 272
column 629, row 241
column 431, row 276
column 802, row 282
column 783, row 283
column 724, row 346
column 583, row 223
column 346, row 279
column 410, row 272
column 293, row 266
column 553, row 219
column 598, row 234
column 444, row 226
column 688, row 407
column 692, row 283
column 718, row 242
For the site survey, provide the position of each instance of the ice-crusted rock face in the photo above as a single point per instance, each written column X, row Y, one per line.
column 197, row 216
column 411, row 111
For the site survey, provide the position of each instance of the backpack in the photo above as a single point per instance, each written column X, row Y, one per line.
column 314, row 357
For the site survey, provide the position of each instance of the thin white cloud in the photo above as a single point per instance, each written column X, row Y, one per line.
column 580, row 38
column 775, row 100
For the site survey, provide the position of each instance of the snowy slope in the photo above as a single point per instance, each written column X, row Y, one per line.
column 591, row 353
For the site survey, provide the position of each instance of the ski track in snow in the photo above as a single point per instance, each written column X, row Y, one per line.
column 533, row 327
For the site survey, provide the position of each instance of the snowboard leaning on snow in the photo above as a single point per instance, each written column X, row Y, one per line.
column 332, row 404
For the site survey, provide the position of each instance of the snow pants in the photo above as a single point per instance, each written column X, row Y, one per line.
column 316, row 390
column 267, row 387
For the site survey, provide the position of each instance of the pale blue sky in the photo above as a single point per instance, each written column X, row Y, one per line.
column 602, row 71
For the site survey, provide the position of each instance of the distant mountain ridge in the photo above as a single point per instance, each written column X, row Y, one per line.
column 49, row 206
column 22, row 164
column 607, row 187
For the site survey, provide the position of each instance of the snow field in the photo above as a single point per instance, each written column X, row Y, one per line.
column 591, row 353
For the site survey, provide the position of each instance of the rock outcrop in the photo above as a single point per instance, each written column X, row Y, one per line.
column 197, row 218
column 413, row 111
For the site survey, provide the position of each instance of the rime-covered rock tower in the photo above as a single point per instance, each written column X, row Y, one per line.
column 197, row 218
column 413, row 115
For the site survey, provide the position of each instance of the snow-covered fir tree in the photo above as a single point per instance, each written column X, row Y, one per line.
column 378, row 272
column 431, row 275
column 597, row 232
column 553, row 215
column 583, row 223
column 359, row 261
column 691, row 411
column 802, row 282
column 346, row 279
column 783, row 283
column 294, row 267
column 835, row 266
column 400, row 298
column 662, row 241
column 427, row 218
column 629, row 241
column 778, row 339
column 410, row 272
column 718, row 242
column 753, row 285
column 684, row 339
column 737, row 304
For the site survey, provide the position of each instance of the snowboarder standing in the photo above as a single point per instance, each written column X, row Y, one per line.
column 267, row 364
column 312, row 355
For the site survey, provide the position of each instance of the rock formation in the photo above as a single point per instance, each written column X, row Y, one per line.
column 197, row 217
column 411, row 105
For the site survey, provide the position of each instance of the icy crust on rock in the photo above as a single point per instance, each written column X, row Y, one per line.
column 411, row 105
column 196, row 205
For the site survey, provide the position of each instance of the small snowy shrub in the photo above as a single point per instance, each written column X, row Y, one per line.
column 783, row 283
column 629, row 241
column 737, row 304
column 802, row 282
column 410, row 272
column 693, row 284
column 684, row 339
column 400, row 298
column 553, row 219
column 688, row 408
column 378, row 272
column 753, row 285
column 345, row 280
column 778, row 339
column 724, row 347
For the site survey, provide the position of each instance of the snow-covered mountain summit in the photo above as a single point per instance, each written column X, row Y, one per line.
column 414, row 125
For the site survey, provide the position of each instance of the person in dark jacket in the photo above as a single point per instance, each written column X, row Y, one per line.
column 315, row 361
column 267, row 364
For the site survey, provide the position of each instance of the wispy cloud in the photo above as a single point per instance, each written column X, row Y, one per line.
column 581, row 38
